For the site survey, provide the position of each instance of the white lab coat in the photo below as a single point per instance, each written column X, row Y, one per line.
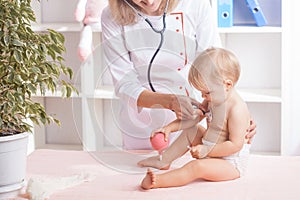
column 190, row 29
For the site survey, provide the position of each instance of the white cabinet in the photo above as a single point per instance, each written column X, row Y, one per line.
column 290, row 137
column 259, row 50
column 92, row 117
column 58, row 15
column 260, row 53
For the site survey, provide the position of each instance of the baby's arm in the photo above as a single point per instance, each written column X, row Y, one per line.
column 238, row 122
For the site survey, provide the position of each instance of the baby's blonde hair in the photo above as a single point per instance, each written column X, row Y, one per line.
column 124, row 15
column 214, row 65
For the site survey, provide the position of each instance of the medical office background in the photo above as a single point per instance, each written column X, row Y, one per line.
column 269, row 82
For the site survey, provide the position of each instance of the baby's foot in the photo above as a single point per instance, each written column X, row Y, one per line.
column 149, row 180
column 154, row 162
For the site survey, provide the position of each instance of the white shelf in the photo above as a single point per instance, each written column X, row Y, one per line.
column 266, row 153
column 57, row 93
column 60, row 27
column 249, row 95
column 261, row 95
column 250, row 29
column 104, row 92
column 77, row 27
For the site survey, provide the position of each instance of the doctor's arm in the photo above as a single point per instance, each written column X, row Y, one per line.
column 180, row 104
column 125, row 77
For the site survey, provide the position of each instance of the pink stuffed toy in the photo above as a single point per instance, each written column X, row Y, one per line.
column 89, row 13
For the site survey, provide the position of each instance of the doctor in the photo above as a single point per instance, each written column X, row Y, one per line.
column 149, row 66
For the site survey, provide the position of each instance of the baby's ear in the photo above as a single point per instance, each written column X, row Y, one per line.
column 228, row 83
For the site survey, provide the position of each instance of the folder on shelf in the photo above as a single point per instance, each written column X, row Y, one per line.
column 257, row 12
column 225, row 13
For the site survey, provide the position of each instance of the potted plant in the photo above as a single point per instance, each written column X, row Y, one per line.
column 30, row 63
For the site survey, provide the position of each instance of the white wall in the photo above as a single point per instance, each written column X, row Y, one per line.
column 291, row 80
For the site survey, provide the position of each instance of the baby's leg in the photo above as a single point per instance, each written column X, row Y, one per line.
column 211, row 169
column 178, row 148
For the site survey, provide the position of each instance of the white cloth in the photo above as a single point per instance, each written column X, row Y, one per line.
column 190, row 29
column 42, row 187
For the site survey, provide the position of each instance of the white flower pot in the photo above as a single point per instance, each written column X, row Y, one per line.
column 13, row 152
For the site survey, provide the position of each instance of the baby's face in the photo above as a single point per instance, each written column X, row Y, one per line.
column 213, row 92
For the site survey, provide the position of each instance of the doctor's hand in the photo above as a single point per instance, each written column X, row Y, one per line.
column 183, row 107
column 251, row 132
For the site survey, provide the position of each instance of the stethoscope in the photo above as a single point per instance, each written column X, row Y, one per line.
column 161, row 32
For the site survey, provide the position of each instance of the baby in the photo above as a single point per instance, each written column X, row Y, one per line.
column 220, row 150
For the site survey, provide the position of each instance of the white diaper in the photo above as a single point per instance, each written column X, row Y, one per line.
column 239, row 160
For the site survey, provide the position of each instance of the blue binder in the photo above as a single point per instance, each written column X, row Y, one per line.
column 256, row 12
column 225, row 13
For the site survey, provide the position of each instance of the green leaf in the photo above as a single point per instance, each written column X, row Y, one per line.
column 17, row 43
column 18, row 56
column 52, row 54
column 29, row 30
column 6, row 40
column 63, row 91
column 70, row 71
column 11, row 98
column 43, row 118
column 69, row 91
column 35, row 70
column 56, row 49
column 18, row 79
column 61, row 38
column 34, row 120
column 60, row 59
column 19, row 98
column 43, row 48
column 56, row 121
column 31, row 88
column 28, row 54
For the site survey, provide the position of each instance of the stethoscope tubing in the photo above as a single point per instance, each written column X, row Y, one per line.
column 161, row 32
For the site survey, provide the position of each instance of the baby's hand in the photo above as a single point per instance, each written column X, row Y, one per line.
column 195, row 151
column 199, row 151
